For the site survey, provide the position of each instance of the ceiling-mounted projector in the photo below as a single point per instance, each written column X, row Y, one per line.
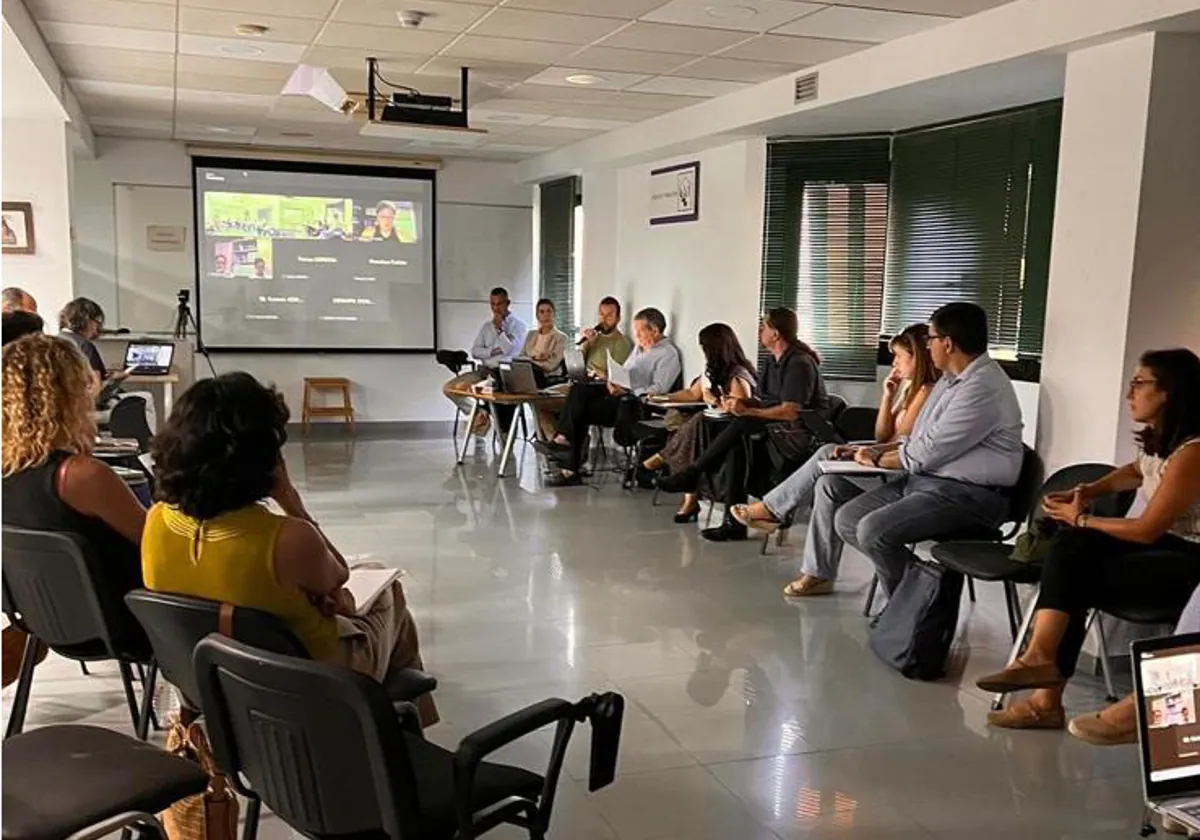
column 409, row 106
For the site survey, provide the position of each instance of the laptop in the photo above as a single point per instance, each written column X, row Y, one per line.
column 516, row 377
column 1166, row 678
column 146, row 358
column 576, row 367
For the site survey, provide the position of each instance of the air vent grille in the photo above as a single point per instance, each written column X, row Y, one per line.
column 806, row 88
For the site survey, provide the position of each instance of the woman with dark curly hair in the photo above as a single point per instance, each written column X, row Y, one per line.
column 1148, row 561
column 210, row 535
column 51, row 481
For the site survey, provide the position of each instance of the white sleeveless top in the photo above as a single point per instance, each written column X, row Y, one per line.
column 1152, row 468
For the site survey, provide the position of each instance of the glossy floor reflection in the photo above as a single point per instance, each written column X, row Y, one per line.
column 748, row 717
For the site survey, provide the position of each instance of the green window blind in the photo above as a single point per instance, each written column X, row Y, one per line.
column 824, row 240
column 971, row 219
column 556, row 232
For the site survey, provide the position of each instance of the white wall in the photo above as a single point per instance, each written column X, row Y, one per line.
column 35, row 170
column 695, row 272
column 388, row 387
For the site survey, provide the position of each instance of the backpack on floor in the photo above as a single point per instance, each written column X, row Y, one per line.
column 915, row 629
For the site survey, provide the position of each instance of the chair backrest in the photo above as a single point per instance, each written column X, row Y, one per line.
column 52, row 589
column 857, row 422
column 453, row 360
column 1114, row 505
column 128, row 420
column 1025, row 493
column 837, row 404
column 319, row 744
column 175, row 624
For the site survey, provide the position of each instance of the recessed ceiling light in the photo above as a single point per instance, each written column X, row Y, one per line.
column 217, row 129
column 251, row 30
column 584, row 79
column 730, row 12
column 239, row 49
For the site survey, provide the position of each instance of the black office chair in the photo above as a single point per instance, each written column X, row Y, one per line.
column 127, row 419
column 857, row 422
column 1168, row 615
column 175, row 624
column 85, row 782
column 52, row 583
column 331, row 756
column 1021, row 500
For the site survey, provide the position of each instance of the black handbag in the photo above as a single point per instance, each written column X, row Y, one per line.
column 914, row 632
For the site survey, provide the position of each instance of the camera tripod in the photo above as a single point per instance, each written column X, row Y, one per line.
column 184, row 318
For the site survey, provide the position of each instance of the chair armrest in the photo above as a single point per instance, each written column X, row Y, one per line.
column 409, row 717
column 483, row 742
column 408, row 683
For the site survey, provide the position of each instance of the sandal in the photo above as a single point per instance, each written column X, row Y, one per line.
column 1020, row 677
column 742, row 514
column 806, row 586
column 1095, row 730
column 1024, row 716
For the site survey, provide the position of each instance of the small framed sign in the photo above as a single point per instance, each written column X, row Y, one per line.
column 16, row 235
column 675, row 193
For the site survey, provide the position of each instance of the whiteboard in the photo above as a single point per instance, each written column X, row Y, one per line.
column 480, row 247
column 148, row 281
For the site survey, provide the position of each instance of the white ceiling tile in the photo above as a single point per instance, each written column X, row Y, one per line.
column 89, row 87
column 221, row 24
column 220, row 132
column 440, row 137
column 109, row 64
column 303, row 109
column 740, row 15
column 852, row 24
column 315, row 9
column 126, row 107
column 218, row 113
column 732, row 70
column 348, row 58
column 789, row 50
column 442, row 16
column 105, row 13
column 88, row 35
column 629, row 61
column 98, row 122
column 545, row 26
column 103, row 130
column 240, row 48
column 207, row 65
column 258, row 85
column 514, row 148
column 490, row 117
column 508, row 49
column 682, row 86
column 624, row 9
column 606, row 80
column 225, row 97
column 949, row 8
column 393, row 39
column 584, row 123
column 662, row 37
column 538, row 135
column 130, row 76
column 525, row 106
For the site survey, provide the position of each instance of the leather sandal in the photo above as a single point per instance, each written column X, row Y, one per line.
column 1022, row 677
column 742, row 514
column 1098, row 732
column 807, row 586
column 1025, row 716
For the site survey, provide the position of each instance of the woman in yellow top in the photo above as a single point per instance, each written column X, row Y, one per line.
column 210, row 535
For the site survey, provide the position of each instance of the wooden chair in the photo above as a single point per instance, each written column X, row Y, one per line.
column 313, row 385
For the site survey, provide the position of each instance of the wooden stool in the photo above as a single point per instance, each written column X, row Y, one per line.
column 315, row 384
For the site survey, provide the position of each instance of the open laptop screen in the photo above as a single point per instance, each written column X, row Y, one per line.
column 1168, row 694
column 149, row 355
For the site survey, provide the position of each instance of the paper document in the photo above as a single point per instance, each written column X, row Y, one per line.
column 852, row 468
column 366, row 585
column 618, row 374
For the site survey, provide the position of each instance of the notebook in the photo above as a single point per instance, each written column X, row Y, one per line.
column 852, row 468
column 618, row 374
column 366, row 585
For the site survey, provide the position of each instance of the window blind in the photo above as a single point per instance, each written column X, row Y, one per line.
column 824, row 241
column 972, row 210
column 556, row 231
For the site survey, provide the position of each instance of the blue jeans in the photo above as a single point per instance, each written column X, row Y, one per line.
column 795, row 493
column 884, row 522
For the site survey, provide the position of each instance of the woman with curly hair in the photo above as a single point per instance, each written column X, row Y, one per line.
column 51, row 482
column 210, row 535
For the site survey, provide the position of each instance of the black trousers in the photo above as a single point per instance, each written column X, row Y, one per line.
column 1087, row 570
column 726, row 456
column 590, row 405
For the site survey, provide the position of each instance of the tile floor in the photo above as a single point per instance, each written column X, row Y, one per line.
column 748, row 717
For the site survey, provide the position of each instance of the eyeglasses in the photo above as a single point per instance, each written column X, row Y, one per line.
column 1137, row 382
column 932, row 337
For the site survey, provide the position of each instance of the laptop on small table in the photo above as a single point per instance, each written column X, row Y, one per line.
column 146, row 358
column 1166, row 674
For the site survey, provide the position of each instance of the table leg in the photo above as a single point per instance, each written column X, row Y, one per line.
column 468, row 434
column 508, row 445
column 168, row 401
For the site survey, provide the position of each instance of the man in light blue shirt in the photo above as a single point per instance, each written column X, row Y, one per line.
column 499, row 340
column 963, row 455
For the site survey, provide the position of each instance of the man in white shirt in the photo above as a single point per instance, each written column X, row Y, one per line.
column 499, row 340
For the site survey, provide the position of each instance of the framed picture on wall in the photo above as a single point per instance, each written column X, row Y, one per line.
column 675, row 194
column 16, row 232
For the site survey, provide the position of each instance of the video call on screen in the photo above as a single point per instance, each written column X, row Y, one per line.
column 314, row 260
column 1171, row 687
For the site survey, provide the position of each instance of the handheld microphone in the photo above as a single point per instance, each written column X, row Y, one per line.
column 583, row 339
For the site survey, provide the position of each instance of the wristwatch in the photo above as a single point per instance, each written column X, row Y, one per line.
column 875, row 456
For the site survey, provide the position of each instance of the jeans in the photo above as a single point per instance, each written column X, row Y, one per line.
column 795, row 493
column 882, row 523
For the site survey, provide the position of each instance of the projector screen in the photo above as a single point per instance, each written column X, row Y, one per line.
column 314, row 257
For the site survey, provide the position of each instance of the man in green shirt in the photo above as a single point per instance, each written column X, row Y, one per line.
column 597, row 342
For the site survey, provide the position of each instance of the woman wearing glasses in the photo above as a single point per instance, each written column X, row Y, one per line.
column 1149, row 561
